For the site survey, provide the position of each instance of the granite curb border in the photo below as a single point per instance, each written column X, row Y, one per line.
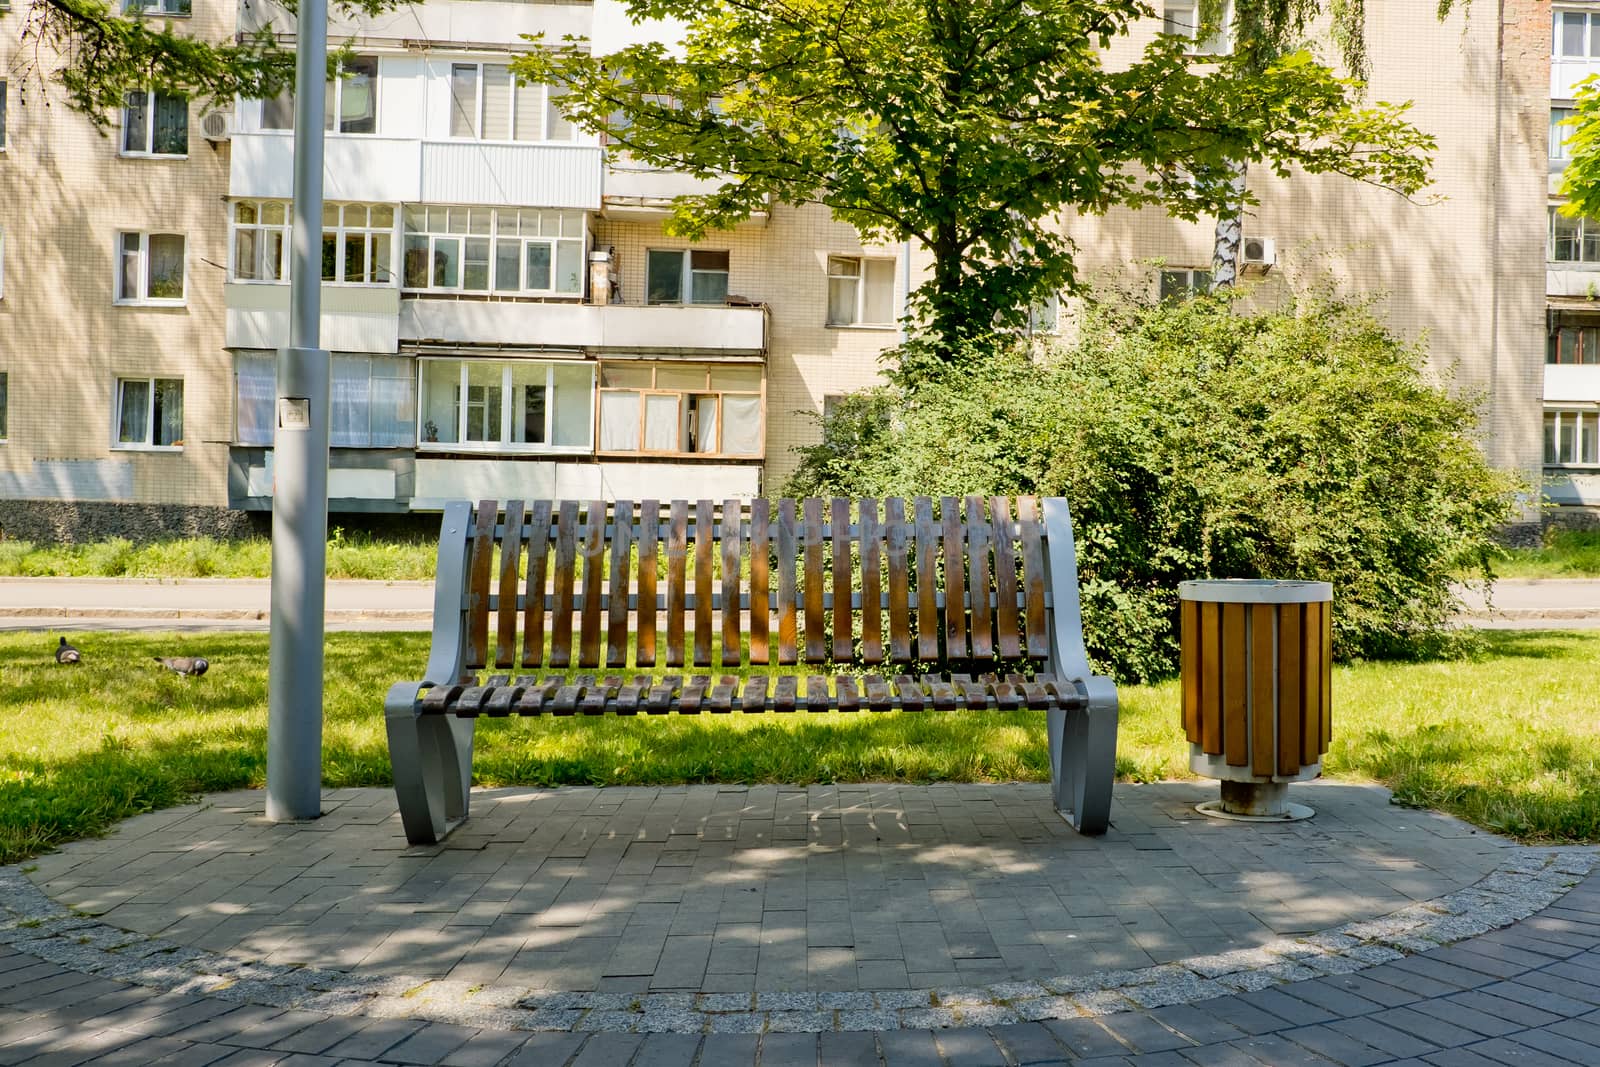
column 1529, row 880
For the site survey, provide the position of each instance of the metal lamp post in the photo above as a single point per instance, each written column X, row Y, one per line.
column 300, row 471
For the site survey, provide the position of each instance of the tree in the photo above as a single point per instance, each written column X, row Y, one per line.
column 1580, row 181
column 97, row 55
column 969, row 125
column 1262, row 33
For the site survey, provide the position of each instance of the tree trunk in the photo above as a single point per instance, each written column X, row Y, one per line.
column 1230, row 233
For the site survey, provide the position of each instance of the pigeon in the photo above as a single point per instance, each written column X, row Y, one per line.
column 66, row 654
column 188, row 666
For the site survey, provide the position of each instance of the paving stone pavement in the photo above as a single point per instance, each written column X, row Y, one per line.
column 1477, row 952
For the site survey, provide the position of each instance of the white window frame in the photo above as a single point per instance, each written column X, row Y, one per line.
column 1560, row 136
column 172, row 9
column 685, row 396
column 859, row 322
column 461, row 444
column 333, row 103
column 261, row 230
column 1587, row 431
column 687, row 276
column 506, row 225
column 149, row 415
column 529, row 94
column 1190, row 281
column 150, row 96
column 1591, row 35
column 1587, row 231
column 1174, row 22
column 339, row 230
column 142, row 298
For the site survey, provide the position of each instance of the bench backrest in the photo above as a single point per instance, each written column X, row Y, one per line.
column 811, row 581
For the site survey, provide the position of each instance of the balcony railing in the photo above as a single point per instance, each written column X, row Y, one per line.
column 613, row 327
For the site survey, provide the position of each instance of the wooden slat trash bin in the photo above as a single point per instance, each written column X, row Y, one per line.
column 1257, row 689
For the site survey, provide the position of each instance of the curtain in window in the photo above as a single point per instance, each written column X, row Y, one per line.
column 392, row 412
column 347, row 427
column 358, row 97
column 464, row 100
column 741, row 425
column 133, row 412
column 619, row 422
column 166, row 266
column 530, row 110
column 172, row 125
column 879, row 304
column 496, row 102
column 661, row 422
column 705, row 409
column 136, row 122
column 257, row 385
column 278, row 113
column 168, row 422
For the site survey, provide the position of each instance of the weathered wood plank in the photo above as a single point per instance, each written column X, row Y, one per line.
column 594, row 554
column 704, row 538
column 475, row 651
column 505, row 640
column 1211, row 678
column 977, row 532
column 815, row 579
column 1262, row 617
column 534, row 592
column 732, row 552
column 788, row 636
column 955, row 579
column 760, row 581
column 1038, row 635
column 1005, row 578
column 677, row 578
column 1291, row 681
column 619, row 617
column 649, row 545
column 565, row 566
column 1235, row 686
column 871, row 583
column 843, row 579
column 927, row 579
column 899, row 580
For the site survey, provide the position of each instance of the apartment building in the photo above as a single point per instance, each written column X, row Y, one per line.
column 1572, row 287
column 508, row 317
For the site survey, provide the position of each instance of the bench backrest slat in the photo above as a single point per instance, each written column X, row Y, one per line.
column 1038, row 639
column 649, row 538
column 621, row 567
column 899, row 581
column 732, row 530
column 1005, row 579
column 977, row 533
column 760, row 546
column 927, row 580
column 960, row 579
column 476, row 650
column 811, row 546
column 871, row 556
column 788, row 631
column 566, row 566
column 505, row 641
column 677, row 577
column 704, row 539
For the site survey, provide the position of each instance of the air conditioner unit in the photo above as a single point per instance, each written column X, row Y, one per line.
column 1258, row 253
column 217, row 125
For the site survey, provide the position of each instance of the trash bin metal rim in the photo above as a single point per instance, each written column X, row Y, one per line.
column 1254, row 591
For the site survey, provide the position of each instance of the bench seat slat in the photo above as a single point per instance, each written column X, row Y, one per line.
column 847, row 699
column 785, row 693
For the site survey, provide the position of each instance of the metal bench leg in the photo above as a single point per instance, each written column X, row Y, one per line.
column 1083, row 758
column 432, row 759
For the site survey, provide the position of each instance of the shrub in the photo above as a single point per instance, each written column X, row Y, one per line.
column 1198, row 440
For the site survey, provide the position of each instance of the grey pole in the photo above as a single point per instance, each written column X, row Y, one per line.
column 300, row 465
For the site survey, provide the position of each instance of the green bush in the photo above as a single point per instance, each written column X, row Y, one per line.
column 1199, row 440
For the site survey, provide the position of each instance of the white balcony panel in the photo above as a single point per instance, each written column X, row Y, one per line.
column 635, row 183
column 1568, row 383
column 439, row 480
column 354, row 319
column 464, row 23
column 614, row 29
column 1565, row 74
column 383, row 169
column 525, row 175
column 1570, row 280
column 586, row 326
column 1573, row 489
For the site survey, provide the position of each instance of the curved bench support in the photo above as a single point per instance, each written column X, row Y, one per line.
column 1083, row 757
column 432, row 758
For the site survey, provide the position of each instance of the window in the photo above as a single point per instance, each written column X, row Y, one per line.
column 149, row 413
column 157, row 7
column 5, row 404
column 508, row 251
column 350, row 102
column 2, row 114
column 1573, row 240
column 1577, row 35
column 1181, row 18
column 506, row 406
column 1045, row 316
column 671, row 408
column 2, row 264
column 488, row 103
column 1183, row 284
column 260, row 246
column 1560, row 134
column 860, row 291
column 1572, row 438
column 155, row 124
column 150, row 268
column 356, row 244
column 702, row 275
column 373, row 400
column 1574, row 344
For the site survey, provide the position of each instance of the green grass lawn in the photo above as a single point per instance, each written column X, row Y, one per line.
column 1506, row 739
column 1567, row 554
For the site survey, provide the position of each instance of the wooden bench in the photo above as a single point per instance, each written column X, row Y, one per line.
column 981, row 604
